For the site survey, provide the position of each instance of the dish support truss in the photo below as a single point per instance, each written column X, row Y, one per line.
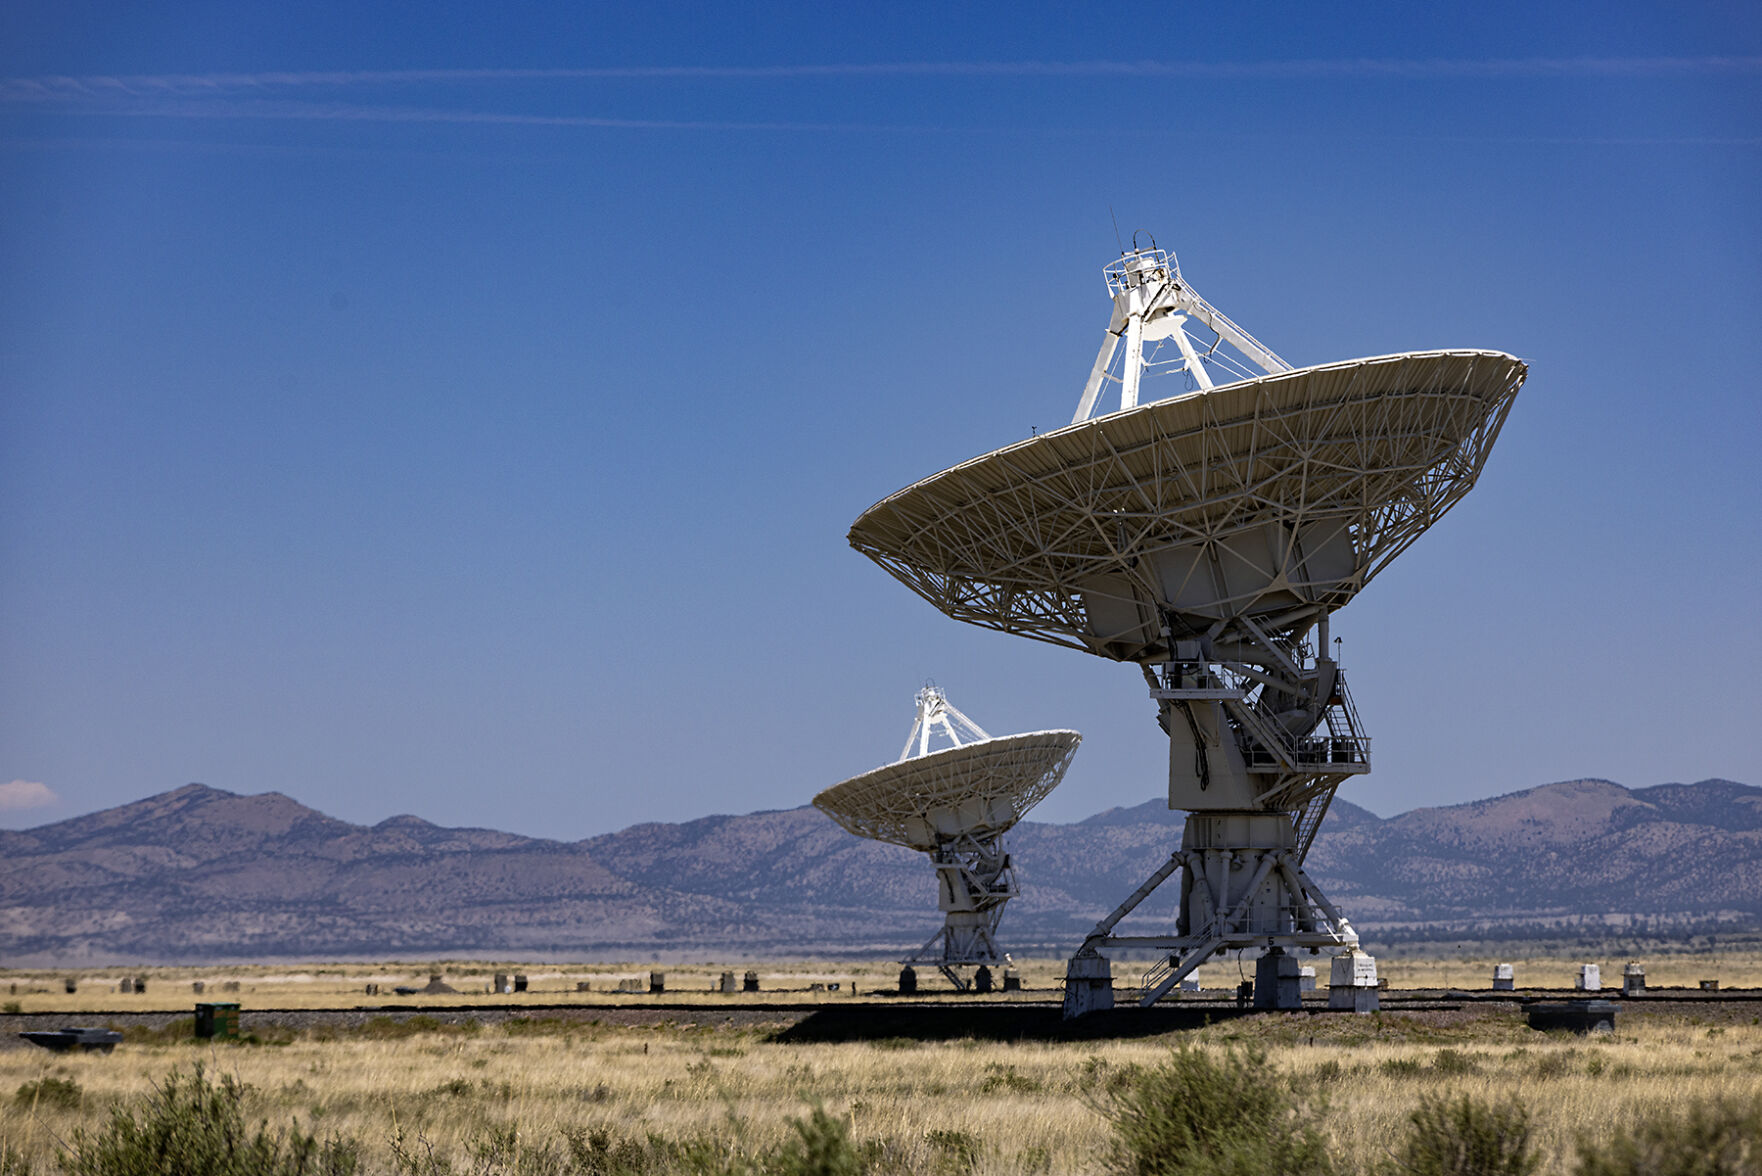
column 1257, row 748
column 935, row 713
column 974, row 879
column 1152, row 305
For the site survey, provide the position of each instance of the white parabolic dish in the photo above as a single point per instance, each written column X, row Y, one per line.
column 1273, row 498
column 976, row 789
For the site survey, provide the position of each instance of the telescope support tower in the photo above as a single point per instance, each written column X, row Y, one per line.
column 1258, row 743
column 974, row 879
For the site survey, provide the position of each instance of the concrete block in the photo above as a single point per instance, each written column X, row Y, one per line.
column 1352, row 982
column 1088, row 985
column 1277, row 981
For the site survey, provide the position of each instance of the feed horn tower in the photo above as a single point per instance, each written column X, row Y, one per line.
column 953, row 793
column 1207, row 536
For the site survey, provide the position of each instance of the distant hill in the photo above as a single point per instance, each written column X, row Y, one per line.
column 199, row 873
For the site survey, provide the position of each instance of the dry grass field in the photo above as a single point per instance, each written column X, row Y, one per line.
column 503, row 1097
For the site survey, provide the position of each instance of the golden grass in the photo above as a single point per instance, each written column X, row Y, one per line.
column 1025, row 1104
column 1028, row 1105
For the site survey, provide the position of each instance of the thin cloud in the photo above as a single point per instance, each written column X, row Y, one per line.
column 343, row 112
column 26, row 794
column 64, row 88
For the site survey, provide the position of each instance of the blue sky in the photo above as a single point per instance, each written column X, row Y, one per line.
column 461, row 413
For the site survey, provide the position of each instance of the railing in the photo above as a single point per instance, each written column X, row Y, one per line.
column 1156, row 975
column 1134, row 269
column 1269, row 745
column 1334, row 749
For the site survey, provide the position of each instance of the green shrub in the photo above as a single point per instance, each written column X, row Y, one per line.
column 1229, row 1116
column 1464, row 1137
column 50, row 1092
column 13, row 1161
column 1450, row 1061
column 822, row 1147
column 192, row 1127
column 596, row 1152
column 1718, row 1137
column 957, row 1152
column 1001, row 1077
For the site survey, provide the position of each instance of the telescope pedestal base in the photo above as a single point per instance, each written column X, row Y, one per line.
column 1242, row 886
column 1088, row 985
column 1277, row 984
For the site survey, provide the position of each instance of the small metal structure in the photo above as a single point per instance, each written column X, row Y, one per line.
column 218, row 1020
column 1207, row 536
column 1576, row 1016
column 86, row 1038
column 955, row 803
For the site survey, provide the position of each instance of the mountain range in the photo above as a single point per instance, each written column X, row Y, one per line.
column 201, row 874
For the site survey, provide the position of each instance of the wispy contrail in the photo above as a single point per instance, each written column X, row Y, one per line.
column 345, row 112
column 57, row 88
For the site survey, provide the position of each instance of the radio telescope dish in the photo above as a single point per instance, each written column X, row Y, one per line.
column 1276, row 498
column 955, row 803
column 1204, row 534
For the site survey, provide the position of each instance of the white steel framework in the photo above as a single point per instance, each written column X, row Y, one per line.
column 955, row 803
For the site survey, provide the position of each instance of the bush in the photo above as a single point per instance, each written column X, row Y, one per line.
column 1449, row 1061
column 12, row 1161
column 1232, row 1116
column 1464, row 1137
column 1005, row 1078
column 193, row 1127
column 957, row 1151
column 1720, row 1137
column 822, row 1147
column 50, row 1092
column 596, row 1152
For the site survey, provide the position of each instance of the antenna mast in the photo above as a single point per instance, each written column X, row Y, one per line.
column 1152, row 304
